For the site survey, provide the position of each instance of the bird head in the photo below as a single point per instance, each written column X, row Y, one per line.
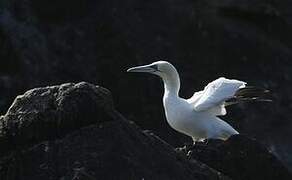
column 160, row 68
column 165, row 71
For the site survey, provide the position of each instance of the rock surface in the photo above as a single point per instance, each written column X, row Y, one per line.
column 44, row 42
column 239, row 158
column 50, row 112
column 73, row 132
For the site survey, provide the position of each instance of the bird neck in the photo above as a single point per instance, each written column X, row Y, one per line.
column 171, row 84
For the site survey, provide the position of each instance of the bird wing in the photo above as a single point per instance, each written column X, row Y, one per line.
column 214, row 95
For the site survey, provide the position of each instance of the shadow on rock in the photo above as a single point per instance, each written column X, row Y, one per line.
column 239, row 158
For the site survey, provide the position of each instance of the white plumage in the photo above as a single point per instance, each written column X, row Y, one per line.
column 214, row 95
column 196, row 116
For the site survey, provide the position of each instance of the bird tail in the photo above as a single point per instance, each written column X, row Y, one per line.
column 250, row 94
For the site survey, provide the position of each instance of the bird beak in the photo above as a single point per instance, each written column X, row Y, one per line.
column 147, row 69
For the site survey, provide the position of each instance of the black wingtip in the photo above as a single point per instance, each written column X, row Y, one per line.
column 251, row 94
column 251, row 91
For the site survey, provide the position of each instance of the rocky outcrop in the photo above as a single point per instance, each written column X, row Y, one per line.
column 72, row 131
column 51, row 112
column 239, row 158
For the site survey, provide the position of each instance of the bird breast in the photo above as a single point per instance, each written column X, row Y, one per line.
column 178, row 113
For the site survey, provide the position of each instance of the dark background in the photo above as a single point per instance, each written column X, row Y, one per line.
column 48, row 42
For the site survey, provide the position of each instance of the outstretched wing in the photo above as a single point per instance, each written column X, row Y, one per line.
column 214, row 95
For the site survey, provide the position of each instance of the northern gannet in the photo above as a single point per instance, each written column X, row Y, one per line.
column 197, row 116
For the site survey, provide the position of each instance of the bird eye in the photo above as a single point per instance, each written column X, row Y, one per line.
column 155, row 66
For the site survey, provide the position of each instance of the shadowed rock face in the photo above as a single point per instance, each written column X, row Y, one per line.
column 239, row 158
column 72, row 131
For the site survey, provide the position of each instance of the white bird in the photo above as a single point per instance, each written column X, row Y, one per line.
column 197, row 116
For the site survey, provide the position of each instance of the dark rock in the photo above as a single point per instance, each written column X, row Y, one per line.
column 72, row 131
column 50, row 112
column 240, row 158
